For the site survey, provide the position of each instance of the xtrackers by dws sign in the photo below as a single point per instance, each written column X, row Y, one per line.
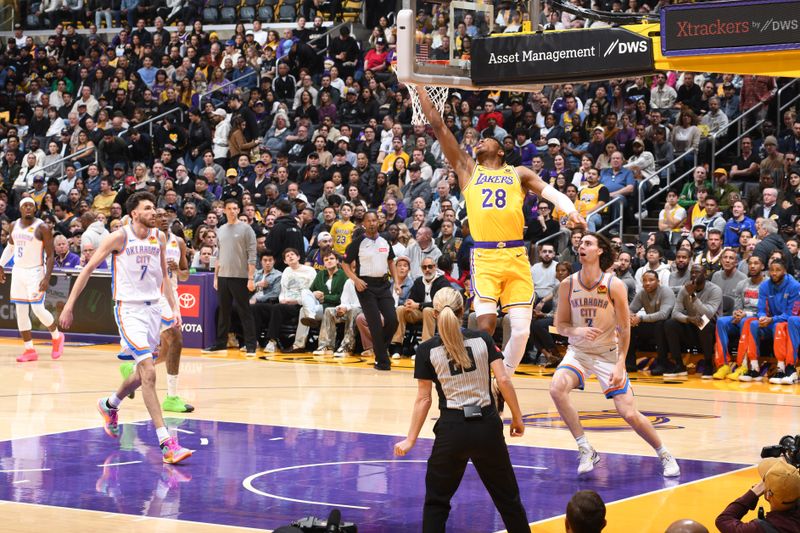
column 573, row 55
column 730, row 27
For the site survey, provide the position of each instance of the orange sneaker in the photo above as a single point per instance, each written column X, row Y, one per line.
column 28, row 355
column 58, row 346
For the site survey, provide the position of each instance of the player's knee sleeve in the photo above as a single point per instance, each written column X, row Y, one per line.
column 44, row 316
column 23, row 317
column 485, row 307
column 520, row 320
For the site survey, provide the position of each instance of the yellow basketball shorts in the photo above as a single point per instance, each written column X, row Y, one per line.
column 502, row 275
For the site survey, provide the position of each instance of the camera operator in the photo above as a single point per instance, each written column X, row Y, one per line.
column 780, row 486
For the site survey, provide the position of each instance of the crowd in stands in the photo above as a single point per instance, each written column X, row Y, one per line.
column 308, row 139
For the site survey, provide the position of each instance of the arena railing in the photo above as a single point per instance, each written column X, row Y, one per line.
column 327, row 35
column 783, row 107
column 739, row 122
column 617, row 220
column 70, row 156
column 642, row 202
column 227, row 84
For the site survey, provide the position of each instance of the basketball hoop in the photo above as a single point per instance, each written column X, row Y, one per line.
column 438, row 96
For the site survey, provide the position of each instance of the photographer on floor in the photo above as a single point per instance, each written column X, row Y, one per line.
column 780, row 486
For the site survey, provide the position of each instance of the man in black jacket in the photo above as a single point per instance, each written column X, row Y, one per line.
column 284, row 234
column 419, row 305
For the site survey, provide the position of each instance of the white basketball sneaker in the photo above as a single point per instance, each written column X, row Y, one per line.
column 670, row 465
column 588, row 458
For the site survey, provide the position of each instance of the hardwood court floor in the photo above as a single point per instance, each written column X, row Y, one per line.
column 707, row 424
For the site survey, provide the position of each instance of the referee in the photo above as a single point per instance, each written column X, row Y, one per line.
column 368, row 260
column 469, row 427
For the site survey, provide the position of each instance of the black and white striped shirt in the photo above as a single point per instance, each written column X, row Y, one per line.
column 371, row 256
column 458, row 387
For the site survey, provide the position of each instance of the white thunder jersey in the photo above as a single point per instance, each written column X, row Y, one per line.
column 28, row 250
column 592, row 307
column 136, row 269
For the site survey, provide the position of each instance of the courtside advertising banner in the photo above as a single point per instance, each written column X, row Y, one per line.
column 572, row 55
column 730, row 27
column 94, row 311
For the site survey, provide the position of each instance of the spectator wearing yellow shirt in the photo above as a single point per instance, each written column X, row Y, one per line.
column 594, row 195
column 698, row 211
column 396, row 153
column 342, row 229
column 672, row 218
column 105, row 198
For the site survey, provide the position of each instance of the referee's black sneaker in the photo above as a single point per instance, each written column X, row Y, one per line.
column 383, row 366
column 214, row 348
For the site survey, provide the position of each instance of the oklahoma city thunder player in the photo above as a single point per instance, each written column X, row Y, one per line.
column 171, row 342
column 494, row 193
column 139, row 269
column 593, row 313
column 31, row 246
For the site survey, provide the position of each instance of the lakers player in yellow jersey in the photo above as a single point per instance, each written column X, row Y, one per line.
column 494, row 193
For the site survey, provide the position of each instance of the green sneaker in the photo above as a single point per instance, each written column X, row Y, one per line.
column 176, row 405
column 126, row 369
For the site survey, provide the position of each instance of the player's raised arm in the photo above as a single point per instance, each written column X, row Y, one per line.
column 462, row 163
column 534, row 183
column 111, row 243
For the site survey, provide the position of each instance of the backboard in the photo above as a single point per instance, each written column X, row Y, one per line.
column 420, row 58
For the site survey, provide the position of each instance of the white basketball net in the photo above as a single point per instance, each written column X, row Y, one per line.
column 438, row 96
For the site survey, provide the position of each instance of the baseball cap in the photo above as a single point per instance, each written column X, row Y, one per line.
column 231, row 172
column 783, row 481
column 771, row 140
column 213, row 35
column 119, row 166
column 220, row 112
column 230, row 42
column 402, row 258
column 39, row 179
column 249, row 32
column 344, row 138
column 380, row 40
column 698, row 225
column 552, row 141
column 65, row 131
column 728, row 85
column 260, row 162
column 324, row 236
column 638, row 140
column 130, row 180
column 721, row 171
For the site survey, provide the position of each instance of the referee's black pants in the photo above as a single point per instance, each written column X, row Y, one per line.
column 233, row 293
column 457, row 441
column 376, row 301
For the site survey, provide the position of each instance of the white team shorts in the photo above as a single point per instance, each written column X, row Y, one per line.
column 139, row 328
column 167, row 314
column 585, row 365
column 25, row 285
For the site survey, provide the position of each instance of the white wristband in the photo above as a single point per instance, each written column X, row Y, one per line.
column 560, row 200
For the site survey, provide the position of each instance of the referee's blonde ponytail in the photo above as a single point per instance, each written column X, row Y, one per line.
column 449, row 305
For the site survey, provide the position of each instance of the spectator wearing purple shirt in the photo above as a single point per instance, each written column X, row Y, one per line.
column 64, row 258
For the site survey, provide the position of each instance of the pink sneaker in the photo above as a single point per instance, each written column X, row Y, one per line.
column 58, row 347
column 28, row 355
column 173, row 452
